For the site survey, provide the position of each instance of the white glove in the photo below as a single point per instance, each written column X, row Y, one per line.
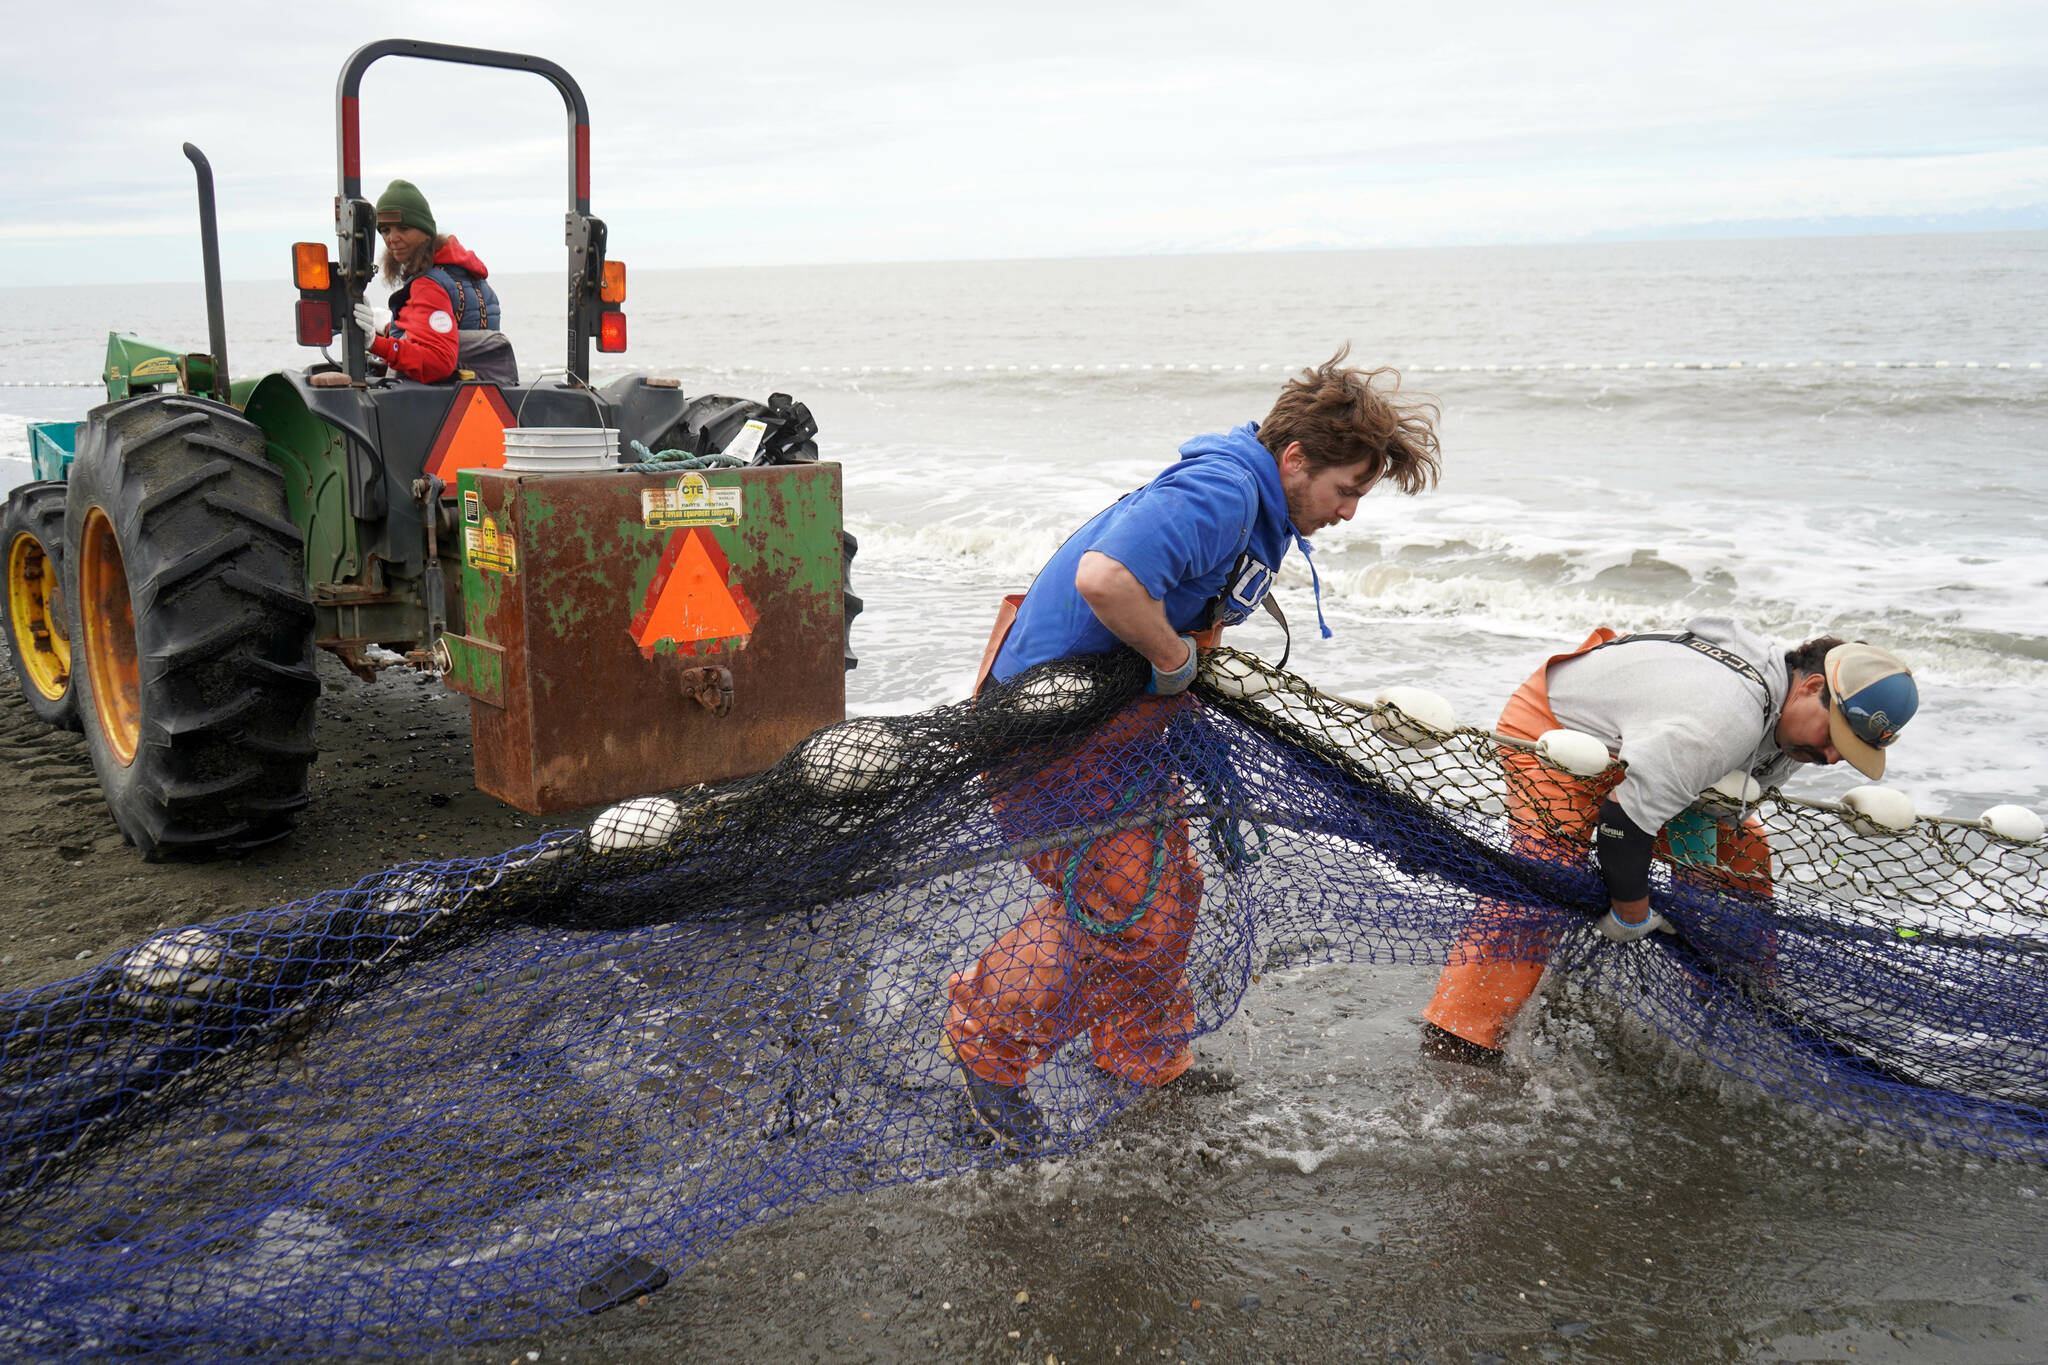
column 371, row 320
column 1620, row 930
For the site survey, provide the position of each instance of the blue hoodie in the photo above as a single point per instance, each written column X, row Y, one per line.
column 1214, row 524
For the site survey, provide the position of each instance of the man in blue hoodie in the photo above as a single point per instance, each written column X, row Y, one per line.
column 1158, row 572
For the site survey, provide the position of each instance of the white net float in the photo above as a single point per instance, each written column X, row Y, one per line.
column 1879, row 810
column 2016, row 823
column 1737, row 788
column 1052, row 691
column 1414, row 716
column 846, row 759
column 1233, row 677
column 1575, row 751
column 404, row 895
column 639, row 823
column 165, row 962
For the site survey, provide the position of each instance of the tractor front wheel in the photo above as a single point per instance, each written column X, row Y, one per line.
column 32, row 541
column 191, row 626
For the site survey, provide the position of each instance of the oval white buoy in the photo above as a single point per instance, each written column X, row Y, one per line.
column 1575, row 751
column 1234, row 678
column 853, row 756
column 1879, row 810
column 1737, row 788
column 1417, row 716
column 639, row 823
column 1049, row 692
column 2016, row 823
column 168, row 960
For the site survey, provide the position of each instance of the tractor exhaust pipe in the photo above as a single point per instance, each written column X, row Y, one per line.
column 209, row 247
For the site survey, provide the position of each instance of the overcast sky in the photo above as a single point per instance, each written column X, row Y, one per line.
column 797, row 133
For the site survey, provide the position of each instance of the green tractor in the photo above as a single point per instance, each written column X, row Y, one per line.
column 186, row 548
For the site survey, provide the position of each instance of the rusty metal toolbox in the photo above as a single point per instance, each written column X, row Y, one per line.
column 631, row 632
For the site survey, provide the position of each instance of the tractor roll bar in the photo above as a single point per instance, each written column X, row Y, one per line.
column 356, row 226
column 348, row 124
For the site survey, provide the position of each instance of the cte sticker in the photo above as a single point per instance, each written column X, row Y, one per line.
column 488, row 548
column 440, row 321
column 691, row 502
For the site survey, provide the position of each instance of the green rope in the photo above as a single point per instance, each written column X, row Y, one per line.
column 1232, row 847
column 1080, row 913
column 683, row 459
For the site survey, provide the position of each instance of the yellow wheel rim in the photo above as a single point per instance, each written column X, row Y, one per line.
column 35, row 606
column 108, row 622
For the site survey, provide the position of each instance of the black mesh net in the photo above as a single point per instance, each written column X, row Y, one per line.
column 459, row 1099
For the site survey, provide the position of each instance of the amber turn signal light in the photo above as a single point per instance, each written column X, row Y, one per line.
column 309, row 266
column 611, row 332
column 614, row 287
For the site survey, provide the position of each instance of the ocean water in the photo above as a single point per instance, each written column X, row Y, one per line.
column 1814, row 435
column 1838, row 436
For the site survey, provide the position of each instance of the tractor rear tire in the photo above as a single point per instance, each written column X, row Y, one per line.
column 191, row 626
column 32, row 547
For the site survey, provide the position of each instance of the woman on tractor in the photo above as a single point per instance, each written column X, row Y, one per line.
column 439, row 290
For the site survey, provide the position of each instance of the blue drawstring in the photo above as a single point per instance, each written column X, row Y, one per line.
column 1315, row 582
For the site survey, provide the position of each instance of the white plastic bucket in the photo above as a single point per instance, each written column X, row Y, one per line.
column 557, row 450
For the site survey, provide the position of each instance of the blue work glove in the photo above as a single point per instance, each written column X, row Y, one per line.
column 1620, row 930
column 1176, row 682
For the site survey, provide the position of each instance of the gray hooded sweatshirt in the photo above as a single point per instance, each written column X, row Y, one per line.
column 1679, row 719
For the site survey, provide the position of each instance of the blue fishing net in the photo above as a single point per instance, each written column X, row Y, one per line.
column 461, row 1100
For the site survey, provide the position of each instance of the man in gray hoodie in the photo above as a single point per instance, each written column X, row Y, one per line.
column 1681, row 711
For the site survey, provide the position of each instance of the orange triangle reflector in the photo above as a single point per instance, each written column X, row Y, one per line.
column 472, row 435
column 692, row 603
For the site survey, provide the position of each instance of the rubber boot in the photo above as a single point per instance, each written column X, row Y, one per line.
column 1441, row 1043
column 1005, row 1113
column 1205, row 1077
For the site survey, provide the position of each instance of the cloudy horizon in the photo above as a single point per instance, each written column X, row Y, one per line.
column 906, row 132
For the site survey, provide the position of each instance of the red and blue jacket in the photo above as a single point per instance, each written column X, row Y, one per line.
column 431, row 310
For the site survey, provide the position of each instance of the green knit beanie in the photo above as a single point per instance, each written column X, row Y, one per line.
column 403, row 204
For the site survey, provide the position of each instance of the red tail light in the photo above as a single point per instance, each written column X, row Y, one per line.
column 611, row 332
column 316, row 322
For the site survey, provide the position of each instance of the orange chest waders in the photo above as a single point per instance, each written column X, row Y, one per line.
column 1105, row 952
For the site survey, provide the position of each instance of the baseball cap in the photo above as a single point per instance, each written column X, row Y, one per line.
column 1871, row 696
